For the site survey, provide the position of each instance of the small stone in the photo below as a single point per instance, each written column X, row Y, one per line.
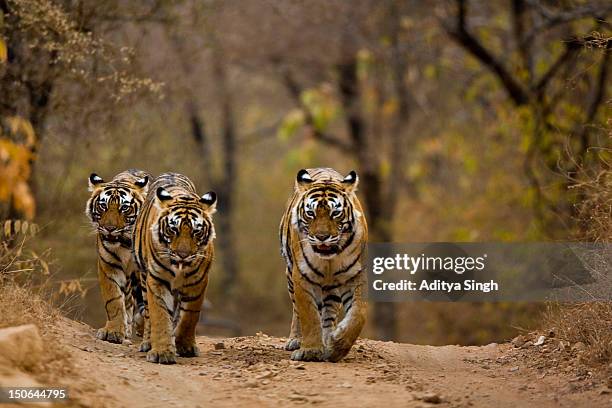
column 219, row 346
column 540, row 341
column 513, row 369
column 432, row 398
column 518, row 341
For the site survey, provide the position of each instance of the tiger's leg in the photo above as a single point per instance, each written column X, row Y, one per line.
column 112, row 282
column 329, row 313
column 129, row 304
column 311, row 347
column 296, row 332
column 138, row 318
column 190, row 308
column 161, row 309
column 145, row 345
column 340, row 341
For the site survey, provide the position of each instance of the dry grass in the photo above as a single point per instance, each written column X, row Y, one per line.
column 586, row 323
column 25, row 296
column 589, row 323
column 595, row 210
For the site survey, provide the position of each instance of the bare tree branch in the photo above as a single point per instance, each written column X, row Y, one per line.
column 462, row 36
column 519, row 12
column 570, row 51
column 295, row 91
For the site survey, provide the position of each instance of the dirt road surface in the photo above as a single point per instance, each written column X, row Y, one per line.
column 256, row 371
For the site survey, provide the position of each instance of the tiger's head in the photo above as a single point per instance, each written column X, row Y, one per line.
column 113, row 205
column 325, row 213
column 184, row 227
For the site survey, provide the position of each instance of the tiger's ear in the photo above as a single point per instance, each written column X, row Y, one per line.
column 94, row 180
column 350, row 182
column 141, row 183
column 302, row 180
column 210, row 200
column 162, row 195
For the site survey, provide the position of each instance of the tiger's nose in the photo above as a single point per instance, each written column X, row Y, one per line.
column 322, row 237
column 182, row 253
column 110, row 228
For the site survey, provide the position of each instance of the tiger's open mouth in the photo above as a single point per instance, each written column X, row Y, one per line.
column 325, row 249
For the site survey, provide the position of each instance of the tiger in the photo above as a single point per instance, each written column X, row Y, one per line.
column 112, row 209
column 323, row 234
column 173, row 246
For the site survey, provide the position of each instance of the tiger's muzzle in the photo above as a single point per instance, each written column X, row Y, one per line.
column 325, row 245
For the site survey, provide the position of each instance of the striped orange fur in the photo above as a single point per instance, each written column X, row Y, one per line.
column 323, row 235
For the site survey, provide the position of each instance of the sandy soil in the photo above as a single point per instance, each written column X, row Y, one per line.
column 256, row 371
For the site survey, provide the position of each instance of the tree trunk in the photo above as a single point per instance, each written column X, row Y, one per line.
column 379, row 221
column 227, row 181
column 223, row 184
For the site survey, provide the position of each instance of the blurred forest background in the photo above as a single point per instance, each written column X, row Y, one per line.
column 466, row 121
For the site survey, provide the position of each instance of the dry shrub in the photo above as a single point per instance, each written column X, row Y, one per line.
column 589, row 323
column 586, row 323
column 595, row 210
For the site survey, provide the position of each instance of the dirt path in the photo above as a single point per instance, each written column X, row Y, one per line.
column 256, row 371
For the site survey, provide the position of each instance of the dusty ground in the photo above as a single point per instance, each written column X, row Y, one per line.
column 256, row 371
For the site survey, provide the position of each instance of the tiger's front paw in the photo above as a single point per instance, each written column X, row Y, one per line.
column 187, row 350
column 161, row 357
column 336, row 348
column 110, row 336
column 308, row 354
column 292, row 344
column 145, row 346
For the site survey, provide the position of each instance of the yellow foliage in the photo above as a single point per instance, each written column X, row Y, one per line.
column 3, row 51
column 72, row 287
column 13, row 228
column 21, row 131
column 389, row 107
column 17, row 147
column 292, row 122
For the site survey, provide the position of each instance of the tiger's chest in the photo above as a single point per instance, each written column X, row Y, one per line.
column 113, row 251
column 329, row 272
